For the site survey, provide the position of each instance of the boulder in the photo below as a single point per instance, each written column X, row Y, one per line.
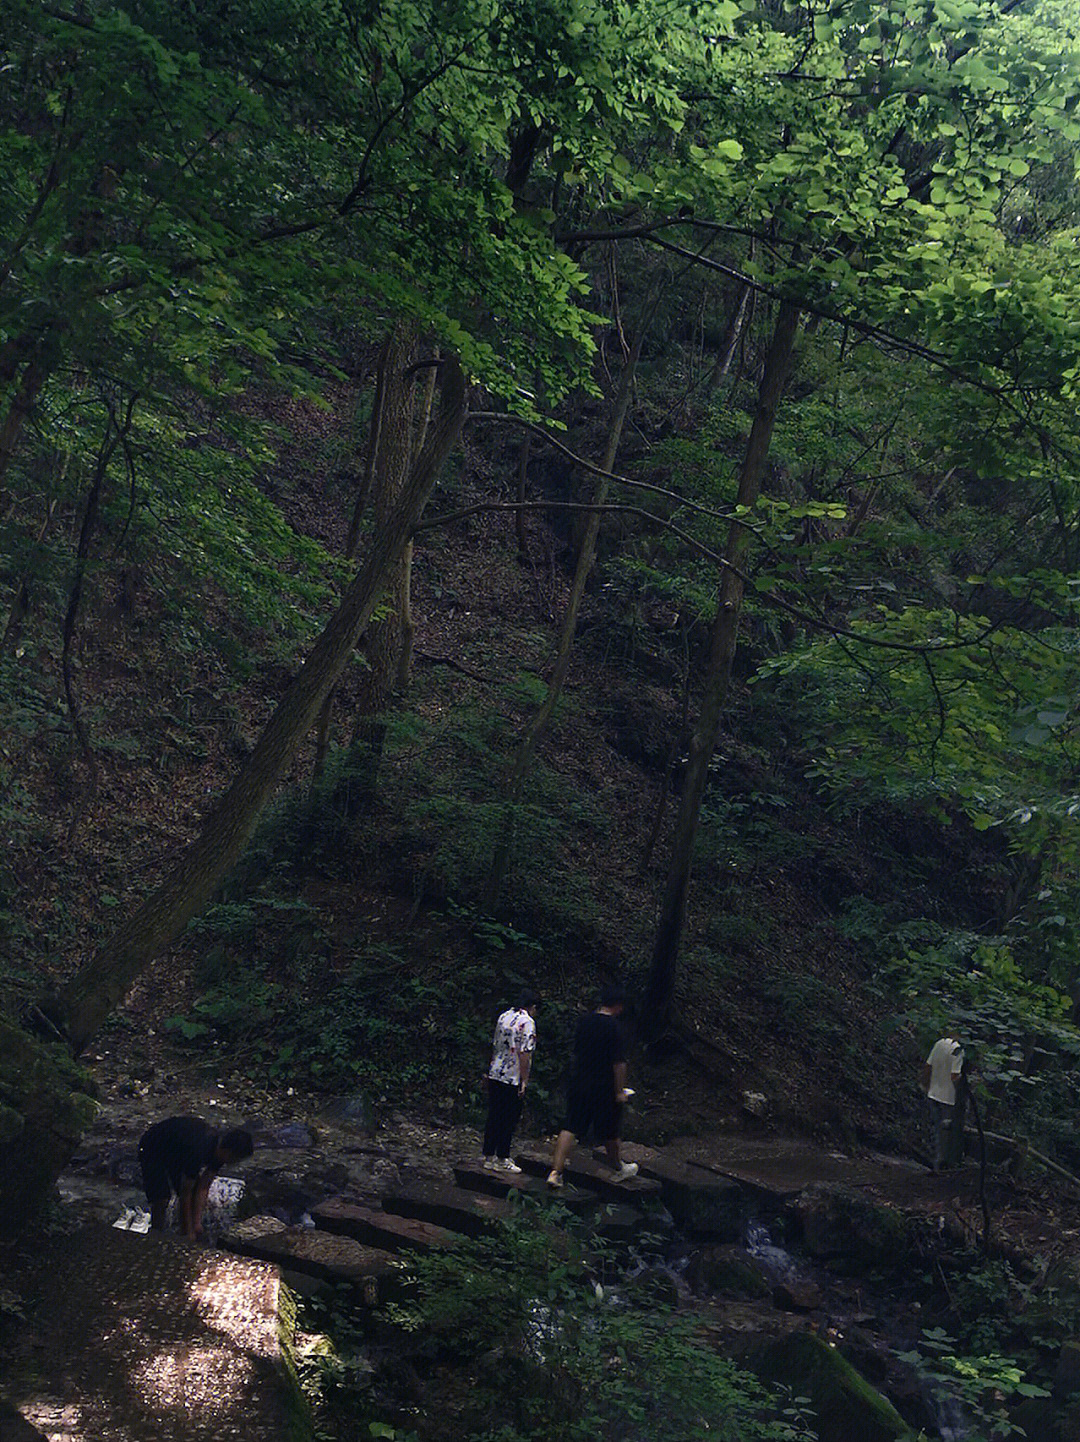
column 46, row 1101
column 795, row 1296
column 840, row 1224
column 352, row 1112
column 846, row 1407
column 723, row 1271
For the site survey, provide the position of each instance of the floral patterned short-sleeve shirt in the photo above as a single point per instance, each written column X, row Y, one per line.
column 515, row 1032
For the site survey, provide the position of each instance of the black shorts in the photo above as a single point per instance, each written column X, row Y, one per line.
column 595, row 1106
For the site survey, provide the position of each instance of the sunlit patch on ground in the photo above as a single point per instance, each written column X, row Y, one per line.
column 144, row 1339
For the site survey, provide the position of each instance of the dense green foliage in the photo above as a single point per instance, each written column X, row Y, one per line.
column 536, row 1347
column 213, row 222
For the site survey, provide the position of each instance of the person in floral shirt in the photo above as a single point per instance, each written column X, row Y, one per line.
column 508, row 1076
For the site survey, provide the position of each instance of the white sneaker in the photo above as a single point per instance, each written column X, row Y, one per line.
column 491, row 1164
column 507, row 1164
column 625, row 1171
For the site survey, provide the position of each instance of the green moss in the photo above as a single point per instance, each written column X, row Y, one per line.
column 300, row 1425
column 845, row 1404
column 46, row 1102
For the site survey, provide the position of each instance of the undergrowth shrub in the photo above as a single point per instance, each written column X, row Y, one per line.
column 533, row 1351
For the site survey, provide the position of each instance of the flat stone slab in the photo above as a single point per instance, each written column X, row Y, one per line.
column 708, row 1206
column 380, row 1229
column 470, row 1213
column 473, row 1178
column 581, row 1168
column 375, row 1274
column 152, row 1339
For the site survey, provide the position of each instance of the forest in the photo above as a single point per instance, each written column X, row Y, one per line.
column 508, row 494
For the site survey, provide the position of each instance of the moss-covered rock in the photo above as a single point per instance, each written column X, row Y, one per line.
column 846, row 1407
column 725, row 1272
column 841, row 1224
column 46, row 1102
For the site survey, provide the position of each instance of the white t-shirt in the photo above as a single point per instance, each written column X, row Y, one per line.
column 515, row 1032
column 945, row 1060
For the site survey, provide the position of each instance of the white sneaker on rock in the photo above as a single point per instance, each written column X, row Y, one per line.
column 491, row 1164
column 625, row 1171
column 507, row 1164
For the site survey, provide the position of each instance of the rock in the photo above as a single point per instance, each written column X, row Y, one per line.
column 47, row 1101
column 584, row 1171
column 702, row 1204
column 846, row 1407
column 290, row 1134
column 795, row 1296
column 372, row 1272
column 381, row 1229
column 1067, row 1372
column 837, row 1223
column 353, row 1112
column 470, row 1213
column 722, row 1271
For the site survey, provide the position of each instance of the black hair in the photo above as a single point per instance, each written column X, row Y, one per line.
column 238, row 1143
column 612, row 994
column 526, row 998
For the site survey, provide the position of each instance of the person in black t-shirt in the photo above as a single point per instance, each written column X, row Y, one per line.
column 184, row 1155
column 597, row 1087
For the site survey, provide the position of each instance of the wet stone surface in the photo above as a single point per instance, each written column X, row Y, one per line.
column 147, row 1339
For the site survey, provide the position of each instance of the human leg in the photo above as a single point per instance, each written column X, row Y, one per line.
column 156, row 1185
column 942, row 1115
column 502, row 1115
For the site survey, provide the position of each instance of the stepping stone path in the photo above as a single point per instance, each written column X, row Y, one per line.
column 471, row 1177
column 381, row 1229
column 460, row 1210
column 374, row 1273
column 582, row 1169
column 707, row 1206
column 153, row 1340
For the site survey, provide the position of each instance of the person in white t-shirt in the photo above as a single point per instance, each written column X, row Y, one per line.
column 508, row 1075
column 941, row 1081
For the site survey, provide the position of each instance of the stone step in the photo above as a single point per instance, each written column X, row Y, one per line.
column 473, row 1178
column 376, row 1275
column 470, row 1213
column 380, row 1229
column 704, row 1204
column 582, row 1169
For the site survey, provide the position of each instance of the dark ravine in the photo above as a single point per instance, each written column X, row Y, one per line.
column 794, row 1280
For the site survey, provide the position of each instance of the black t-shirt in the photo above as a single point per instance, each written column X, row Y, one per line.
column 598, row 1045
column 184, row 1146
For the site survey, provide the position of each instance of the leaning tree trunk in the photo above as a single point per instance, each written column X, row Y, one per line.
column 383, row 638
column 352, row 540
column 660, row 987
column 82, row 1006
column 526, row 751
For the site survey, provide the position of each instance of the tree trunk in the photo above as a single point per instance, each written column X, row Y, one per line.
column 85, row 1002
column 382, row 640
column 523, row 759
column 22, row 403
column 660, row 988
column 408, row 622
column 352, row 540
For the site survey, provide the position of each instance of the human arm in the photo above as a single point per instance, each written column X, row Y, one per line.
column 193, row 1196
column 524, row 1069
column 620, row 1081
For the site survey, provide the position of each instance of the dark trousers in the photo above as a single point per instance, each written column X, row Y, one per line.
column 504, row 1112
